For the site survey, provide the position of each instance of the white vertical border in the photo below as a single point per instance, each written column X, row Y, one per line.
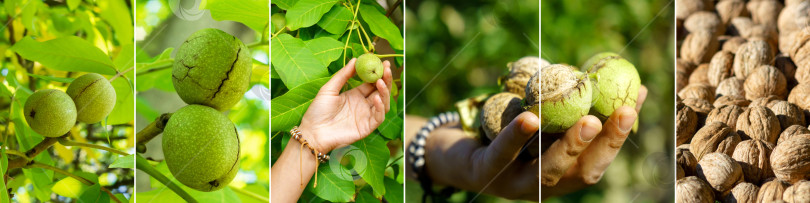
column 134, row 99
column 540, row 55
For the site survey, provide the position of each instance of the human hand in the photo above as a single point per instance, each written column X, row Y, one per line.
column 579, row 158
column 336, row 119
column 456, row 159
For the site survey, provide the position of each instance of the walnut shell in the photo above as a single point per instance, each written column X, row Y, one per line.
column 741, row 26
column 790, row 159
column 792, row 131
column 798, row 192
column 708, row 138
column 800, row 51
column 704, row 21
column 788, row 114
column 785, row 65
column 802, row 74
column 765, row 11
column 754, row 158
column 800, row 95
column 731, row 86
column 686, row 124
column 759, row 123
column 679, row 173
column 687, row 7
column 697, row 91
column 701, row 106
column 687, row 160
column 765, row 80
column 729, row 9
column 743, row 192
column 731, row 100
column 765, row 101
column 720, row 171
column 728, row 144
column 693, row 190
column 699, row 46
column 733, row 44
column 720, row 67
column 772, row 191
column 727, row 114
column 700, row 75
column 750, row 56
column 767, row 33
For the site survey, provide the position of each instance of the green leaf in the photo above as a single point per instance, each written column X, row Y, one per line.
column 325, row 49
column 364, row 196
column 285, row 4
column 3, row 167
column 306, row 13
column 295, row 63
column 72, row 4
column 124, row 162
column 393, row 191
column 331, row 186
column 51, row 78
column 376, row 156
column 10, row 6
column 391, row 127
column 69, row 187
column 66, row 54
column 336, row 20
column 93, row 194
column 381, row 25
column 122, row 112
column 116, row 13
column 125, row 59
column 288, row 109
column 163, row 194
column 252, row 13
column 28, row 16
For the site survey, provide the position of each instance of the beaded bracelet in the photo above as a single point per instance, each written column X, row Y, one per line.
column 297, row 135
column 416, row 150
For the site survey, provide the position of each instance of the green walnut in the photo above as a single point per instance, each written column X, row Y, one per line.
column 532, row 101
column 50, row 112
column 94, row 97
column 498, row 111
column 279, row 21
column 369, row 68
column 201, row 148
column 617, row 83
column 212, row 68
column 566, row 96
column 520, row 72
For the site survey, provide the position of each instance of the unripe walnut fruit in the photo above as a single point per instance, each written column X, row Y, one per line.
column 369, row 68
column 617, row 83
column 212, row 68
column 50, row 112
column 499, row 110
column 201, row 148
column 532, row 101
column 565, row 97
column 94, row 97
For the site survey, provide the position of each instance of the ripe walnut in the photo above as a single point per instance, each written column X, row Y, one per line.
column 750, row 56
column 800, row 95
column 759, row 123
column 730, row 86
column 765, row 11
column 765, row 101
column 686, row 124
column 720, row 67
column 729, row 9
column 699, row 46
column 731, row 100
column 798, row 192
column 733, row 44
column 792, row 131
column 743, row 192
column 772, row 190
column 686, row 159
column 720, row 171
column 700, row 75
column 697, row 91
column 708, row 138
column 704, row 21
column 727, row 114
column 753, row 156
column 765, row 80
column 788, row 114
column 693, row 190
column 791, row 159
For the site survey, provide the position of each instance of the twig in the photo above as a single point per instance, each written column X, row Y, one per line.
column 33, row 152
column 143, row 165
column 250, row 194
column 388, row 55
column 122, row 73
column 79, row 178
column 150, row 131
column 66, row 142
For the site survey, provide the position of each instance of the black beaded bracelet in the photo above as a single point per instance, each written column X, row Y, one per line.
column 416, row 150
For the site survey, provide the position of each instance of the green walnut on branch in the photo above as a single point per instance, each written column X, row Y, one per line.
column 94, row 97
column 50, row 112
column 212, row 68
column 369, row 68
column 607, row 82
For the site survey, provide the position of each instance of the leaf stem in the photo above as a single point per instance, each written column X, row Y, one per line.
column 59, row 170
column 66, row 142
column 143, row 165
column 370, row 43
column 250, row 194
column 388, row 55
column 257, row 44
column 150, row 131
column 279, row 32
column 122, row 73
column 17, row 153
column 155, row 66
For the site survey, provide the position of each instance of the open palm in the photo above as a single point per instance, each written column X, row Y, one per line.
column 337, row 119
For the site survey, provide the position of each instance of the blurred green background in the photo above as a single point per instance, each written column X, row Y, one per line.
column 643, row 33
column 165, row 24
column 457, row 49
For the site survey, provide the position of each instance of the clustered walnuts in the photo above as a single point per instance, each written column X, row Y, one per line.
column 743, row 102
column 521, row 92
column 211, row 73
column 88, row 99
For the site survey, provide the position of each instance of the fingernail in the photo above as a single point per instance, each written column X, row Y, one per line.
column 626, row 121
column 588, row 132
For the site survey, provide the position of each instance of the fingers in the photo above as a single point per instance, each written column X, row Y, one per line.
column 339, row 79
column 509, row 142
column 383, row 86
column 604, row 148
column 377, row 108
column 642, row 96
column 564, row 153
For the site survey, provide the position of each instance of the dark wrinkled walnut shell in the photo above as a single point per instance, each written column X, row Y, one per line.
column 754, row 158
column 743, row 192
column 720, row 67
column 693, row 190
column 764, row 81
column 731, row 100
column 687, row 159
column 772, row 191
column 790, row 159
column 788, row 114
column 720, row 171
column 799, row 192
column 800, row 95
column 686, row 124
column 764, row 101
column 750, row 56
column 708, row 138
column 697, row 91
column 759, row 123
column 792, row 131
column 727, row 114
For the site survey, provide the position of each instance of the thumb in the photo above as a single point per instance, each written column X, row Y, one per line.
column 510, row 141
column 339, row 79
